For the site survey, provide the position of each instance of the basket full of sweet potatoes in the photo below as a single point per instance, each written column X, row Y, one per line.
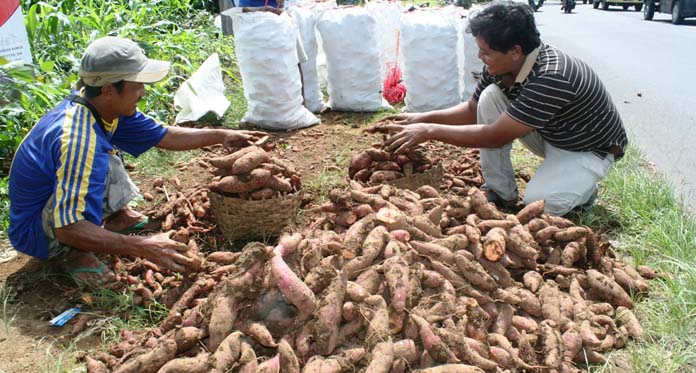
column 253, row 194
column 411, row 170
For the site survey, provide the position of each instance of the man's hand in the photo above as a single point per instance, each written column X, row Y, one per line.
column 240, row 139
column 400, row 119
column 167, row 253
column 406, row 136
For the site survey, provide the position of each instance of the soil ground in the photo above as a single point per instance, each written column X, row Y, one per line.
column 34, row 294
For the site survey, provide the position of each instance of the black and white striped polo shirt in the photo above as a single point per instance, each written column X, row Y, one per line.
column 563, row 99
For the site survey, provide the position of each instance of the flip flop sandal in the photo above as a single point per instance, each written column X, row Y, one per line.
column 101, row 269
column 138, row 227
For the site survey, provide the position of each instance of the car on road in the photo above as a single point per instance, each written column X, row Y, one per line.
column 679, row 9
column 625, row 4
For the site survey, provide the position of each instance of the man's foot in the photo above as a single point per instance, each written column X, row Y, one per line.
column 85, row 268
column 501, row 203
column 126, row 221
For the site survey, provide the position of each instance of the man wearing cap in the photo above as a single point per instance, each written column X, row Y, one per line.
column 552, row 102
column 67, row 180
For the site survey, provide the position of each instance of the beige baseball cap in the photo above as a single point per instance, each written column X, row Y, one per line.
column 112, row 59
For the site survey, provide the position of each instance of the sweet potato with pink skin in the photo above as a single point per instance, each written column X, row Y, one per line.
column 228, row 160
column 382, row 358
column 249, row 161
column 437, row 252
column 185, row 338
column 198, row 364
column 436, row 348
column 545, row 234
column 608, row 289
column 424, row 224
column 494, row 244
column 532, row 280
column 457, row 343
column 401, row 235
column 288, row 361
column 627, row 319
column 529, row 302
column 378, row 177
column 483, row 208
column 95, row 366
column 278, row 183
column 570, row 234
column 236, row 184
column 396, row 272
column 427, row 191
column 328, row 314
column 271, row 365
column 531, row 211
column 357, row 233
column 453, row 242
column 150, row 361
column 259, row 333
column 369, row 280
column 406, row 349
column 362, row 210
column 222, row 257
column 386, row 166
column 552, row 344
column 293, row 289
column 378, row 327
column 394, row 219
column 496, row 269
column 558, row 221
column 222, row 319
column 263, row 193
column 451, row 368
column 572, row 253
column 355, row 292
column 473, row 272
column 227, row 353
column 588, row 357
column 372, row 247
column 247, row 359
column 485, row 225
column 375, row 201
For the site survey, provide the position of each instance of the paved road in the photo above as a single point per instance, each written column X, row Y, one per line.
column 632, row 56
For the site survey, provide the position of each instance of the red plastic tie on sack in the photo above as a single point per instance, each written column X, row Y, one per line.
column 392, row 89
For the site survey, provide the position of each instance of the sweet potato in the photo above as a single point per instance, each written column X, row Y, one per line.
column 532, row 280
column 378, row 327
column 288, row 361
column 263, row 193
column 185, row 338
column 278, row 183
column 328, row 314
column 545, row 234
column 501, row 357
column 95, row 366
column 531, row 211
column 396, row 272
column 406, row 349
column 452, row 368
column 247, row 359
column 372, row 247
column 362, row 210
column 357, row 232
column 227, row 353
column 453, row 242
column 150, row 361
column 434, row 251
column 550, row 301
column 483, row 208
column 646, row 272
column 529, row 302
column 463, row 351
column 474, row 273
column 608, row 289
column 427, row 191
column 626, row 318
column 494, row 244
column 570, row 234
column 271, row 365
column 552, row 344
column 222, row 257
column 382, row 358
column 498, row 271
column 294, row 290
column 249, row 161
column 236, row 184
column 386, row 166
column 369, row 280
column 486, row 225
column 436, row 348
column 259, row 333
column 227, row 161
column 572, row 253
column 378, row 177
column 198, row 364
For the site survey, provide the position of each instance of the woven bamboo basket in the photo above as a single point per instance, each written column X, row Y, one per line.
column 431, row 177
column 240, row 219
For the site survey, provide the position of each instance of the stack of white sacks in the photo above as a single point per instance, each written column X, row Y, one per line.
column 348, row 51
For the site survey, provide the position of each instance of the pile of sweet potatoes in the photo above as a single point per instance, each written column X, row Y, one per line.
column 254, row 174
column 414, row 281
column 375, row 166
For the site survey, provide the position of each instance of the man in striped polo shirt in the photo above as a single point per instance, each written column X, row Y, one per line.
column 553, row 103
column 69, row 190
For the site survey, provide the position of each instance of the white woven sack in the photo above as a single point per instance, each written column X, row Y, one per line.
column 305, row 20
column 352, row 60
column 388, row 15
column 431, row 66
column 472, row 63
column 266, row 48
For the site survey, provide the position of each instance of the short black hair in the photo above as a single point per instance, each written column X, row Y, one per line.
column 504, row 24
column 92, row 92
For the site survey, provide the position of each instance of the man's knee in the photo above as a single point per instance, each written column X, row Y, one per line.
column 491, row 104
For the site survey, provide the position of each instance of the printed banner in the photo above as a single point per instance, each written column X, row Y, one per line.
column 14, row 44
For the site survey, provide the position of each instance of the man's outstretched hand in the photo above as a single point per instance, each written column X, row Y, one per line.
column 405, row 137
column 400, row 119
column 240, row 139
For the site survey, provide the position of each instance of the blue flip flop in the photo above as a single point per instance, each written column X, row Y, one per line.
column 101, row 269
